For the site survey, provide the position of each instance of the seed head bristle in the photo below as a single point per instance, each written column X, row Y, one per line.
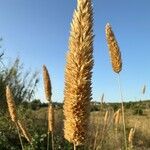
column 78, row 73
column 47, row 84
column 11, row 104
column 114, row 51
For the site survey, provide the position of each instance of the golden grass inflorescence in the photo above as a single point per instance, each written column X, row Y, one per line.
column 78, row 73
column 117, row 117
column 47, row 84
column 14, row 118
column 50, row 118
column 114, row 50
column 48, row 95
column 106, row 118
column 11, row 104
column 131, row 137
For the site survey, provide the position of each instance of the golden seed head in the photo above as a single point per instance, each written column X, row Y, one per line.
column 78, row 73
column 131, row 135
column 47, row 84
column 50, row 118
column 106, row 117
column 117, row 117
column 114, row 51
column 11, row 104
column 24, row 131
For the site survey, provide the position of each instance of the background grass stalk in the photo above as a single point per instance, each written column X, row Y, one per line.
column 48, row 139
column 50, row 127
column 122, row 108
column 48, row 95
column 78, row 147
column 19, row 136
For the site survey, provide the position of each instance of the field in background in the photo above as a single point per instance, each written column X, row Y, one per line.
column 34, row 115
column 137, row 114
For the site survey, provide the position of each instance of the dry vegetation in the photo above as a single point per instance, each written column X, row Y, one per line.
column 75, row 126
column 106, row 135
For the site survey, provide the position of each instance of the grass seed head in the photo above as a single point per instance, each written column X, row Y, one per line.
column 117, row 117
column 47, row 84
column 131, row 136
column 106, row 117
column 50, row 118
column 114, row 51
column 11, row 104
column 78, row 73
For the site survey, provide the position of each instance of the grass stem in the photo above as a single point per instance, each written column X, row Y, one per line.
column 122, row 108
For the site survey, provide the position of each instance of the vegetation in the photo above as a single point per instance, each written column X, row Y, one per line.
column 79, row 123
column 22, row 84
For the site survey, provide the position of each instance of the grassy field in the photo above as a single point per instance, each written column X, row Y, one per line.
column 105, row 135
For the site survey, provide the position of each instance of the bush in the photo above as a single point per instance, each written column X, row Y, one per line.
column 138, row 111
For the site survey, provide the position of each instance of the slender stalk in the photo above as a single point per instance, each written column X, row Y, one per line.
column 78, row 147
column 103, row 136
column 52, row 140
column 97, row 132
column 48, row 141
column 50, row 126
column 19, row 136
column 122, row 108
column 74, row 147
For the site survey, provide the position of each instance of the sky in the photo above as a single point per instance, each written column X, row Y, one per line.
column 37, row 32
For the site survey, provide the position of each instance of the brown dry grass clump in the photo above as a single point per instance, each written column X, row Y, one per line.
column 78, row 73
column 11, row 104
column 113, row 49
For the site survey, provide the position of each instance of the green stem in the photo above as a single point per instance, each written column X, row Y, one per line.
column 19, row 136
column 48, row 141
column 52, row 140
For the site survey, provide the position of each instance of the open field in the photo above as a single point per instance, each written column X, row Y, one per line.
column 79, row 122
column 110, row 141
column 100, row 134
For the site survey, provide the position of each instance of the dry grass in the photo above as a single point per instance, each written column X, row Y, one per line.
column 11, row 104
column 47, row 84
column 78, row 73
column 114, row 51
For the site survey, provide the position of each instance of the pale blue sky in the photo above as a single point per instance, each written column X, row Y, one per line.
column 38, row 30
